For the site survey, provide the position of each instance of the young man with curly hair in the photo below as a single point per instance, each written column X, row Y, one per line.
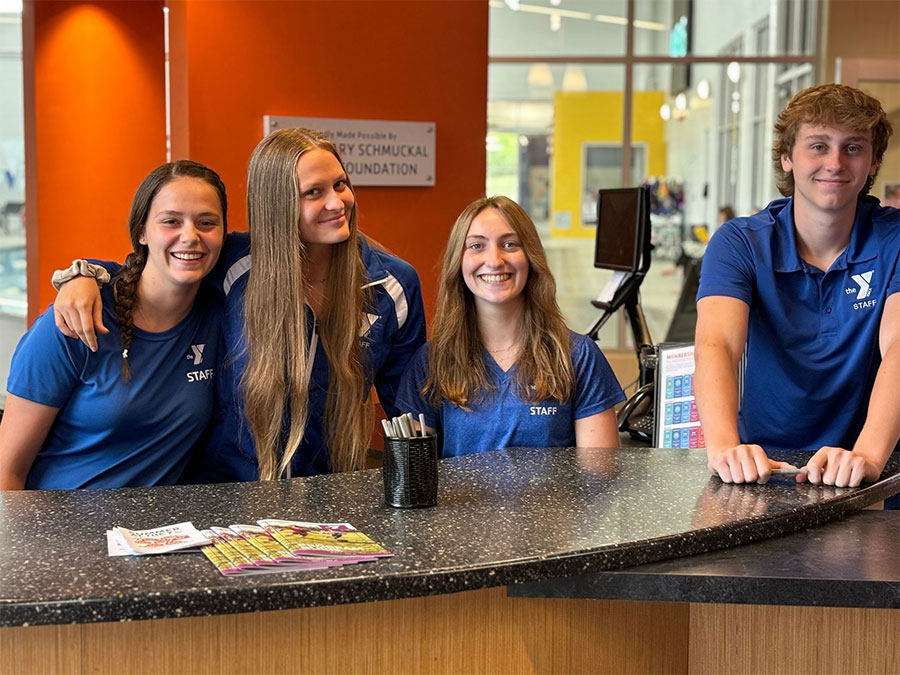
column 810, row 286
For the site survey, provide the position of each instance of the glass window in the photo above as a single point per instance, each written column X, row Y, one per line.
column 554, row 138
column 570, row 27
column 679, row 28
column 698, row 132
column 13, row 303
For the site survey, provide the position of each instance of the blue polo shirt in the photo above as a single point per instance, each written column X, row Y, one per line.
column 502, row 419
column 812, row 341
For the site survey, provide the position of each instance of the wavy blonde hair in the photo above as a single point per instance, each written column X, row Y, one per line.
column 457, row 369
column 275, row 383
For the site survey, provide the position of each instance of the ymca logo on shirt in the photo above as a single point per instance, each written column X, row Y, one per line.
column 863, row 292
column 196, row 355
column 368, row 322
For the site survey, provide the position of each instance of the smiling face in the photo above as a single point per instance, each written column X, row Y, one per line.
column 183, row 233
column 326, row 199
column 494, row 264
column 830, row 167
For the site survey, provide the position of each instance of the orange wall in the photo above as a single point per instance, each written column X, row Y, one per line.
column 95, row 108
column 233, row 62
column 94, row 127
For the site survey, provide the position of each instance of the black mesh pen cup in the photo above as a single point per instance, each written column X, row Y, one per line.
column 410, row 471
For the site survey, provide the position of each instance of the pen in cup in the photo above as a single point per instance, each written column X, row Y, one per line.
column 404, row 426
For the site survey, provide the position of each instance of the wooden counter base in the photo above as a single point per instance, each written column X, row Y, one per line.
column 474, row 632
column 480, row 631
column 778, row 640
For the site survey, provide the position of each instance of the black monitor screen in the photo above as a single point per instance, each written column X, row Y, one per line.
column 619, row 229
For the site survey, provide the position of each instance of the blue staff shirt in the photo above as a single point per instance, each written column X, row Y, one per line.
column 812, row 341
column 503, row 419
column 391, row 331
column 110, row 433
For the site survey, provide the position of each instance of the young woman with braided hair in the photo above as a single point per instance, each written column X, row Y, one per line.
column 130, row 412
column 321, row 315
column 126, row 294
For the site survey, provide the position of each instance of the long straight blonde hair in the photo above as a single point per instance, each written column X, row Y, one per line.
column 275, row 383
column 457, row 369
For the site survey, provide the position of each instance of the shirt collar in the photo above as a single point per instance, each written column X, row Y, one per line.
column 785, row 257
column 862, row 246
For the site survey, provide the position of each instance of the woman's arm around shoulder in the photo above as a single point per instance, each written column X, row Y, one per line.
column 410, row 397
column 406, row 304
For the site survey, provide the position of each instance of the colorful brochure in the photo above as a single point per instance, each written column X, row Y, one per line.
column 323, row 539
column 241, row 550
column 248, row 551
column 269, row 546
column 122, row 541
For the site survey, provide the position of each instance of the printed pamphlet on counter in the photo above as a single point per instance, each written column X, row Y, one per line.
column 270, row 546
column 166, row 539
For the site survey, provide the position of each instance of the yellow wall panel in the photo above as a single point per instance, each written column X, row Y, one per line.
column 596, row 117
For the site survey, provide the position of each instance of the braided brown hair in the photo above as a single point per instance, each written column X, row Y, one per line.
column 127, row 281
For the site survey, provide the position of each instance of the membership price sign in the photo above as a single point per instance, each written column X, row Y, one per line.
column 375, row 152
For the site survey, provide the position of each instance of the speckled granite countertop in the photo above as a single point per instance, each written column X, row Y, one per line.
column 503, row 517
column 852, row 562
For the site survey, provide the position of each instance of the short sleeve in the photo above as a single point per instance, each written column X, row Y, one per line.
column 894, row 283
column 409, row 395
column 728, row 266
column 596, row 387
column 46, row 366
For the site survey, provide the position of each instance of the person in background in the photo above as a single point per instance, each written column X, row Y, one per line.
column 502, row 369
column 130, row 412
column 810, row 286
column 724, row 214
column 320, row 315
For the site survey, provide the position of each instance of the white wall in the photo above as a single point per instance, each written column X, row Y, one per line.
column 718, row 22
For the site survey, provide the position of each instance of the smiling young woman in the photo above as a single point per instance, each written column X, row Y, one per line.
column 320, row 316
column 502, row 369
column 130, row 412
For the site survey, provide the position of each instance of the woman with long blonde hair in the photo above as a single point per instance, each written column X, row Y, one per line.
column 502, row 369
column 318, row 318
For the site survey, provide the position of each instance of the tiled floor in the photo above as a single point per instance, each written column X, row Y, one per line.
column 578, row 281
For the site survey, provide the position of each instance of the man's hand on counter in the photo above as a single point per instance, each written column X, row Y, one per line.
column 744, row 463
column 841, row 468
